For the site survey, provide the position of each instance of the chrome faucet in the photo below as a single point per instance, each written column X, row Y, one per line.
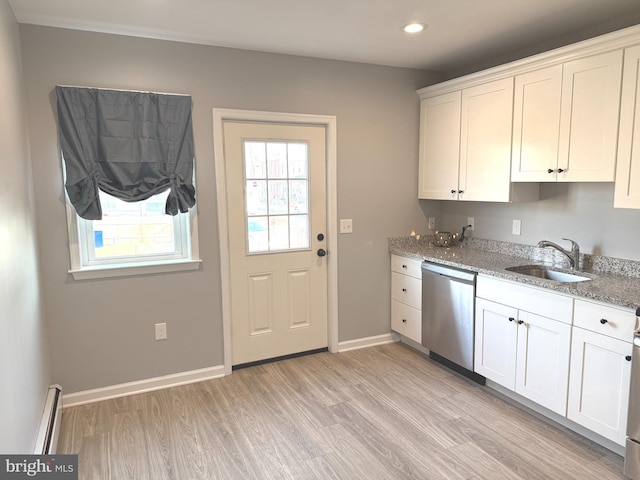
column 573, row 255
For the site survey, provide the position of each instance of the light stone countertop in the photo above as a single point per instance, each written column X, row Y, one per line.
column 614, row 281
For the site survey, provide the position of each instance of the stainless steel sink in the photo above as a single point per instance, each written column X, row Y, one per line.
column 541, row 271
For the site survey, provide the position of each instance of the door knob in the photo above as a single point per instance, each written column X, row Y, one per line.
column 321, row 252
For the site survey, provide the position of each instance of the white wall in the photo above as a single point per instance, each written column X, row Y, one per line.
column 102, row 330
column 24, row 356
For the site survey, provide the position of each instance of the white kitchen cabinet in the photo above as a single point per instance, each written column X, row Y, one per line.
column 627, row 190
column 465, row 145
column 406, row 297
column 566, row 121
column 601, row 369
column 543, row 360
column 496, row 337
column 536, row 125
column 589, row 118
column 439, row 146
column 524, row 352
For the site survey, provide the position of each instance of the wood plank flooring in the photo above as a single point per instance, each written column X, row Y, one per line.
column 385, row 412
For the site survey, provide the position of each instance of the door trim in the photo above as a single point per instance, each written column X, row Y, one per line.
column 220, row 115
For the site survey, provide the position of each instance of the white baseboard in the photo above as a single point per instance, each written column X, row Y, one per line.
column 367, row 342
column 141, row 386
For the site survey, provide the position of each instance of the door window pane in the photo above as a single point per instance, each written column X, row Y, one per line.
column 299, row 231
column 256, row 197
column 255, row 160
column 279, row 233
column 277, row 160
column 258, row 228
column 298, row 196
column 276, row 195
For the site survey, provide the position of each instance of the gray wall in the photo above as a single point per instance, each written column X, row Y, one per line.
column 102, row 330
column 581, row 211
column 24, row 356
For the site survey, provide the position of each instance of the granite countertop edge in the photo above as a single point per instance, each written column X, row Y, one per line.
column 614, row 281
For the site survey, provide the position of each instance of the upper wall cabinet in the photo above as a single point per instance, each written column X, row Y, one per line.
column 536, row 125
column 465, row 145
column 439, row 146
column 627, row 191
column 589, row 118
column 566, row 121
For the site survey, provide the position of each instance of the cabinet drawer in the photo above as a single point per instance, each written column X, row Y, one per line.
column 406, row 321
column 406, row 266
column 605, row 319
column 542, row 302
column 407, row 290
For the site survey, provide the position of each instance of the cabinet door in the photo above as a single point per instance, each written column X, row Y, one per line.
column 495, row 342
column 536, row 125
column 589, row 118
column 439, row 147
column 542, row 373
column 599, row 383
column 628, row 169
column 485, row 142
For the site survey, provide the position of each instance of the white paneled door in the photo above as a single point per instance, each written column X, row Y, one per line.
column 276, row 191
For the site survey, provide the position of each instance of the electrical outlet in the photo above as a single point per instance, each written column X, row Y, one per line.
column 432, row 223
column 471, row 221
column 517, row 226
column 161, row 331
column 346, row 225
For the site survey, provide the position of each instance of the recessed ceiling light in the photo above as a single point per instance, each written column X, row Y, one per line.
column 414, row 27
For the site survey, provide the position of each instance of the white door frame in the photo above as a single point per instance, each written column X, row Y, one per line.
column 329, row 122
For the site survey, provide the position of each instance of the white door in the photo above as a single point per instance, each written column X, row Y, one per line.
column 439, row 147
column 628, row 168
column 495, row 342
column 542, row 372
column 599, row 379
column 276, row 202
column 589, row 118
column 536, row 125
column 485, row 142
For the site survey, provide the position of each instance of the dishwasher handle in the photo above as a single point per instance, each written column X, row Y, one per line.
column 453, row 273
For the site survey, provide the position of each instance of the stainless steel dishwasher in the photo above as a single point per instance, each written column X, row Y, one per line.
column 448, row 317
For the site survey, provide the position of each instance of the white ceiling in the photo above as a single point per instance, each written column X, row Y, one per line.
column 461, row 32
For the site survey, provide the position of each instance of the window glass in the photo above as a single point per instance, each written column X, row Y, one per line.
column 133, row 232
column 276, row 195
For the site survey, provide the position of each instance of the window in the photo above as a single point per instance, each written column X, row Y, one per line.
column 131, row 238
column 277, row 195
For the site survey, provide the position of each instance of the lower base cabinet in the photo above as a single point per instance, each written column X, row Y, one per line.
column 524, row 352
column 572, row 356
column 599, row 383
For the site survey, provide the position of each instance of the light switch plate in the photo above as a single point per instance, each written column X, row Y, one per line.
column 432, row 223
column 346, row 225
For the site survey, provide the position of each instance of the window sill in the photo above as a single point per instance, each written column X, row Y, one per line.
column 110, row 271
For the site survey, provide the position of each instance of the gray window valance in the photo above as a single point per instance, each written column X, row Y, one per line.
column 131, row 145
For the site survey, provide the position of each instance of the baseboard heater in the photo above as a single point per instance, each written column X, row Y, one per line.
column 47, row 440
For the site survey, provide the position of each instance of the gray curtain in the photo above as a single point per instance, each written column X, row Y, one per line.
column 131, row 145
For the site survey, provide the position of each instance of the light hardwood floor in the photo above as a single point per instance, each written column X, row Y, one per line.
column 385, row 412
